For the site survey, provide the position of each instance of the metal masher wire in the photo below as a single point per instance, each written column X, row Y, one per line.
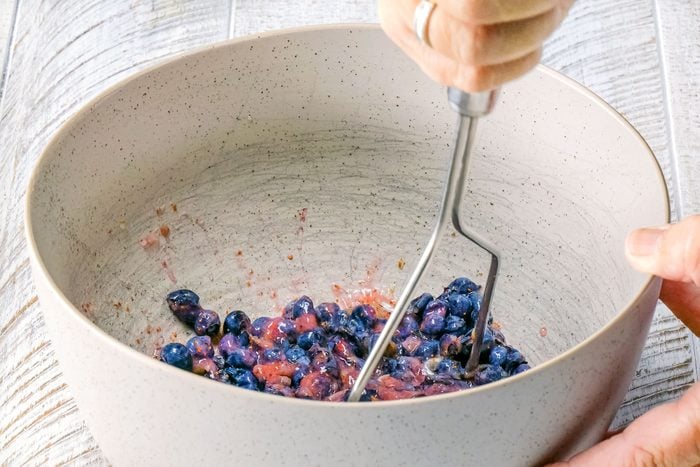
column 470, row 107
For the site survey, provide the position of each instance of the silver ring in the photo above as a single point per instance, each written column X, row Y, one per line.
column 420, row 20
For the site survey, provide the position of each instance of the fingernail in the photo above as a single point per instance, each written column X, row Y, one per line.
column 644, row 242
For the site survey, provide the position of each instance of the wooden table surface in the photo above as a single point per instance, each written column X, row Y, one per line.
column 643, row 57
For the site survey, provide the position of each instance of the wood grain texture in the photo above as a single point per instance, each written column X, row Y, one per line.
column 63, row 53
column 253, row 16
column 679, row 36
column 8, row 9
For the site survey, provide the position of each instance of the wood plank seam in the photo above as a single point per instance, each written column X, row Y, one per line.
column 231, row 30
column 673, row 153
column 8, row 54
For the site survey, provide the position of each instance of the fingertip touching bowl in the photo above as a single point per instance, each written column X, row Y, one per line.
column 289, row 162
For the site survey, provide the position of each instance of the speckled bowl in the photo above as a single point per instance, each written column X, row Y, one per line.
column 313, row 160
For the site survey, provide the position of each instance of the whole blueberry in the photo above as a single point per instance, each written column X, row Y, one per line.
column 241, row 358
column 325, row 311
column 258, row 326
column 243, row 378
column 407, row 326
column 450, row 345
column 418, row 304
column 227, row 344
column 306, row 339
column 455, row 325
column 520, row 368
column 357, row 328
column 339, row 322
column 449, row 367
column 513, row 359
column 462, row 285
column 177, row 355
column 487, row 345
column 235, row 322
column 297, row 355
column 298, row 307
column 365, row 313
column 200, row 346
column 459, row 305
column 489, row 374
column 389, row 365
column 287, row 326
column 498, row 355
column 475, row 303
column 184, row 304
column 428, row 349
column 437, row 306
column 434, row 318
column 243, row 339
column 271, row 355
column 207, row 323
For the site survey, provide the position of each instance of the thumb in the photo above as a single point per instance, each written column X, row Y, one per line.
column 668, row 435
column 670, row 251
column 673, row 253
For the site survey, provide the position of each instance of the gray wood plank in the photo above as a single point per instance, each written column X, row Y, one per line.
column 679, row 36
column 63, row 54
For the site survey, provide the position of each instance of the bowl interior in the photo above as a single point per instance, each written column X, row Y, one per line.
column 312, row 162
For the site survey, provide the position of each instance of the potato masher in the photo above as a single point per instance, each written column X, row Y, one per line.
column 470, row 107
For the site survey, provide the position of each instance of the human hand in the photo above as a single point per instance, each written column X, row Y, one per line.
column 673, row 253
column 476, row 45
column 668, row 435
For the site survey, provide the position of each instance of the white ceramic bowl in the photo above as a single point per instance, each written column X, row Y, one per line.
column 239, row 138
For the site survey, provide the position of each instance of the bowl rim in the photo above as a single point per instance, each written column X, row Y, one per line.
column 141, row 358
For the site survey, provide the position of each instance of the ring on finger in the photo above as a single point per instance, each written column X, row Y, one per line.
column 421, row 18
